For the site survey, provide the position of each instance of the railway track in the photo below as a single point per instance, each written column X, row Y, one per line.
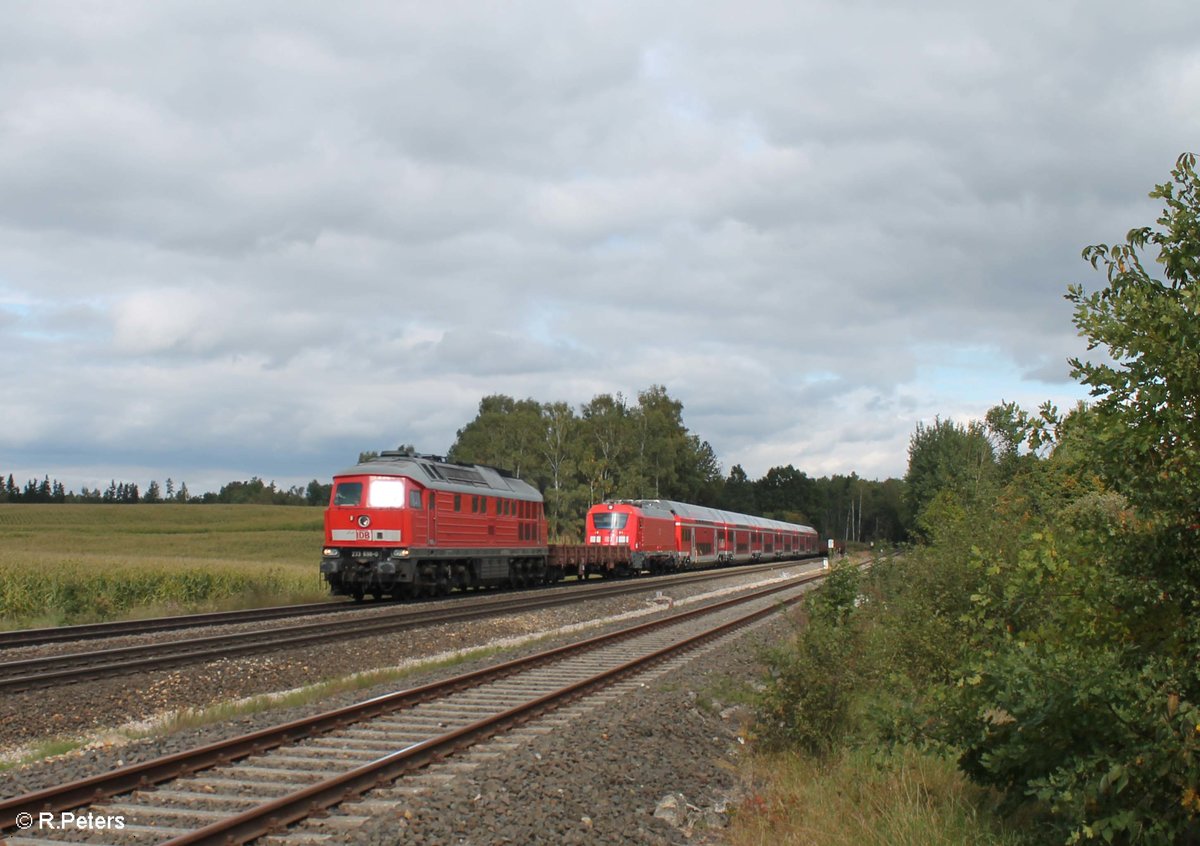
column 239, row 789
column 123, row 628
column 46, row 671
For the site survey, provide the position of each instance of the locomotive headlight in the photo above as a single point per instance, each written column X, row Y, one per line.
column 364, row 520
column 329, row 552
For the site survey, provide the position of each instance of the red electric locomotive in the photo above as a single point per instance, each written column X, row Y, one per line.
column 645, row 527
column 415, row 525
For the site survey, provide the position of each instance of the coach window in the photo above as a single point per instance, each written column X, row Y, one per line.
column 348, row 493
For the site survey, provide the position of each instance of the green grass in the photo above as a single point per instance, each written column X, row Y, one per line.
column 63, row 564
column 907, row 798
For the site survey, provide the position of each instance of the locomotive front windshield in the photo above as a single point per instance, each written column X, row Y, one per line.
column 387, row 493
column 610, row 520
column 374, row 493
column 348, row 493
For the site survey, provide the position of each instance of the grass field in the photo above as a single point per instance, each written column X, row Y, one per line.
column 83, row 563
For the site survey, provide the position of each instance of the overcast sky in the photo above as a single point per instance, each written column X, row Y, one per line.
column 252, row 239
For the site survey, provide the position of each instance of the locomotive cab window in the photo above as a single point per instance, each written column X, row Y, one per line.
column 414, row 499
column 348, row 493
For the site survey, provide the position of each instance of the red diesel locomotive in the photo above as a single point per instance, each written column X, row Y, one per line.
column 409, row 525
column 412, row 525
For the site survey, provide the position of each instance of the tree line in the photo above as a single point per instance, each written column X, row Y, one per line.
column 615, row 448
column 608, row 448
column 255, row 491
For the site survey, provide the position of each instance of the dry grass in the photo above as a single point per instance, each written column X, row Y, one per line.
column 857, row 799
column 80, row 563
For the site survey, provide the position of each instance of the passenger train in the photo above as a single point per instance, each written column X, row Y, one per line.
column 406, row 525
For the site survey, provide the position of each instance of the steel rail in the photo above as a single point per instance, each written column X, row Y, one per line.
column 145, row 774
column 48, row 671
column 121, row 628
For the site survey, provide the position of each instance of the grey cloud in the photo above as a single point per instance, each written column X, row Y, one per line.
column 282, row 223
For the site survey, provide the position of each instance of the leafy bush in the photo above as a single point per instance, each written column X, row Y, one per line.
column 1048, row 631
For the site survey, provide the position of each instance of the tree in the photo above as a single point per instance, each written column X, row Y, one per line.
column 317, row 493
column 1148, row 398
column 738, row 494
column 1085, row 692
column 660, row 441
column 700, row 478
column 786, row 490
column 559, row 426
column 153, row 494
column 605, row 446
column 947, row 457
column 506, row 434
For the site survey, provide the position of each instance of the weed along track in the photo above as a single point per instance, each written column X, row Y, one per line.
column 239, row 789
